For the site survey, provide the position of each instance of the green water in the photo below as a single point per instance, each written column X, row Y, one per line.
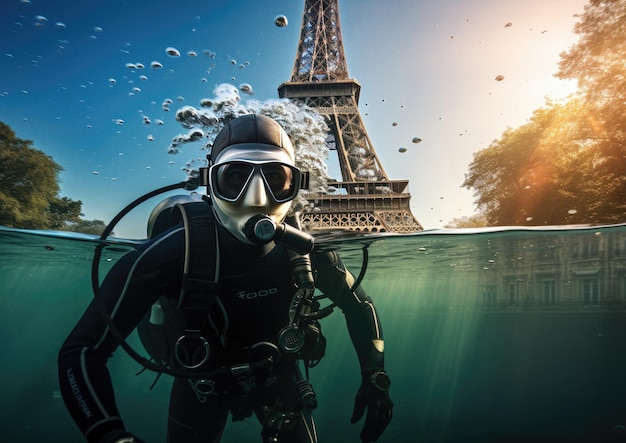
column 491, row 336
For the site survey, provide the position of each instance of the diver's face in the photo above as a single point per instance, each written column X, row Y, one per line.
column 247, row 183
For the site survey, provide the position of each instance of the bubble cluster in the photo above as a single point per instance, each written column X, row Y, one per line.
column 304, row 125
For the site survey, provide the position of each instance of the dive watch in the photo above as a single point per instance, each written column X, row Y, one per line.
column 381, row 381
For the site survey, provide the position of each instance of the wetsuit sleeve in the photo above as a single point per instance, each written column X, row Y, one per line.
column 128, row 292
column 336, row 282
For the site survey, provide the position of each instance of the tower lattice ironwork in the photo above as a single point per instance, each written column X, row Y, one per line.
column 366, row 199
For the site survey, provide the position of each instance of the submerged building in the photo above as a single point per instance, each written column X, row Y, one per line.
column 555, row 270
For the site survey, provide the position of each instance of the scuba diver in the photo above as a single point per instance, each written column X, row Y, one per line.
column 227, row 307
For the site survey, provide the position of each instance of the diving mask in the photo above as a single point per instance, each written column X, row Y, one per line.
column 230, row 180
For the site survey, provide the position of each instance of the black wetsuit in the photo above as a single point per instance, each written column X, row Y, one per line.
column 255, row 291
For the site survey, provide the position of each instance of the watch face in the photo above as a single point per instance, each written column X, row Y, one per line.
column 381, row 381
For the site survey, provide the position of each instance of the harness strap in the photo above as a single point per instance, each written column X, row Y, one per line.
column 202, row 268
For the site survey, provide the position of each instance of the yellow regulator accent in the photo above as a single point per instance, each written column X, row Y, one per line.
column 379, row 345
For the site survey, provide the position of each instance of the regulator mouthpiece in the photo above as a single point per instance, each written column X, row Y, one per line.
column 261, row 229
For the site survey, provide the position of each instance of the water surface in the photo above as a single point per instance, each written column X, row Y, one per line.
column 491, row 336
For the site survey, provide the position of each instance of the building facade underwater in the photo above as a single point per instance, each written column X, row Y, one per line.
column 366, row 199
column 583, row 270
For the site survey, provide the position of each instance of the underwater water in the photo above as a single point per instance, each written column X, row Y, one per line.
column 491, row 336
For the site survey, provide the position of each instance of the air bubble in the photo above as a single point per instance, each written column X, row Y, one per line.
column 281, row 21
column 156, row 65
column 246, row 88
column 172, row 52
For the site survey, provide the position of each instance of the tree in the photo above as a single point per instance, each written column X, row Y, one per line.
column 544, row 172
column 28, row 182
column 566, row 165
column 63, row 211
column 474, row 221
column 596, row 61
column 29, row 190
column 95, row 227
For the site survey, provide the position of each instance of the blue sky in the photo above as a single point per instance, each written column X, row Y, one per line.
column 429, row 67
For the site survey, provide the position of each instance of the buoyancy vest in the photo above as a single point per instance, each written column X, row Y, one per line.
column 172, row 332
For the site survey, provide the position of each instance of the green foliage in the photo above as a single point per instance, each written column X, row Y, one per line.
column 62, row 212
column 474, row 221
column 597, row 63
column 566, row 165
column 95, row 227
column 28, row 182
column 29, row 189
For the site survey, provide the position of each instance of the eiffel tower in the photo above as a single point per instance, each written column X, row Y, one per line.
column 366, row 199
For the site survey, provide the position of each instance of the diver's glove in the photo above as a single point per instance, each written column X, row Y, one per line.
column 373, row 395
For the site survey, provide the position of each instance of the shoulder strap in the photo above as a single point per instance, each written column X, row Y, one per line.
column 202, row 255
